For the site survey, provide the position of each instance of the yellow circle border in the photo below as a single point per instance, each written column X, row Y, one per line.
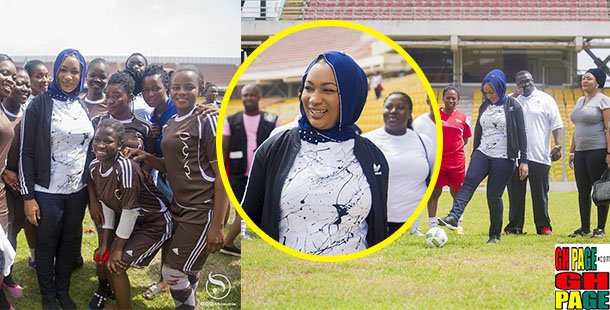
column 225, row 181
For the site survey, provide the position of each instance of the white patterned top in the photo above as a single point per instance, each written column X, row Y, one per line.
column 493, row 138
column 71, row 132
column 325, row 201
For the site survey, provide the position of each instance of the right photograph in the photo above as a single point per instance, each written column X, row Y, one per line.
column 522, row 113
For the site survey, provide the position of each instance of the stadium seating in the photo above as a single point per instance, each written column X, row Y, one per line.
column 538, row 10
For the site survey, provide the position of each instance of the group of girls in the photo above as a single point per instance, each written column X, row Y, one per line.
column 66, row 151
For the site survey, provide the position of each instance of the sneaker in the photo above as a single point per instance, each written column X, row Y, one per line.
column 580, row 232
column 598, row 233
column 231, row 250
column 450, row 221
column 493, row 239
column 417, row 233
column 513, row 231
column 31, row 263
column 97, row 302
column 14, row 290
column 546, row 231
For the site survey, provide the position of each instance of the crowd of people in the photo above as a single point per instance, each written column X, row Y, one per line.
column 309, row 186
column 136, row 147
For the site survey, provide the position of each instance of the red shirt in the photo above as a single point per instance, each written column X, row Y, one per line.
column 455, row 129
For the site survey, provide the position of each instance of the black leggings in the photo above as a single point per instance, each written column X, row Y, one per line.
column 588, row 168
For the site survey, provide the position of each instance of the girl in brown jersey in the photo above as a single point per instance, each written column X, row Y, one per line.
column 200, row 201
column 136, row 218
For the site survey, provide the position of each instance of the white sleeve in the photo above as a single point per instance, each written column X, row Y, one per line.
column 126, row 223
column 108, row 217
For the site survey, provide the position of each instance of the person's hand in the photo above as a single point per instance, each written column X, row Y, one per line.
column 156, row 130
column 11, row 179
column 571, row 160
column 206, row 109
column 32, row 211
column 608, row 160
column 556, row 153
column 114, row 263
column 95, row 210
column 135, row 154
column 518, row 91
column 523, row 171
column 215, row 240
column 98, row 255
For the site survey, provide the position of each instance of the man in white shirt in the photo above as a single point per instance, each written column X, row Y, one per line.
column 542, row 119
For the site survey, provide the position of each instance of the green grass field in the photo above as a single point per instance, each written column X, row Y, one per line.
column 468, row 273
column 84, row 280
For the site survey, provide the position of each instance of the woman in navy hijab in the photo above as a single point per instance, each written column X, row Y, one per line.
column 320, row 188
column 54, row 154
column 499, row 140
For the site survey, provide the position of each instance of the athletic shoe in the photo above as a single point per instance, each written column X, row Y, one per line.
column 450, row 221
column 14, row 290
column 546, row 231
column 417, row 233
column 231, row 250
column 493, row 239
column 31, row 263
column 598, row 233
column 580, row 233
column 513, row 232
column 97, row 302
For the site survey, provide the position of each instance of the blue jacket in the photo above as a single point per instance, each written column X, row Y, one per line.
column 274, row 159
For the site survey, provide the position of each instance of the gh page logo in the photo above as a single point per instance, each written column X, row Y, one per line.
column 582, row 276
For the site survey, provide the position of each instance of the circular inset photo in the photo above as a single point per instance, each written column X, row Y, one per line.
column 319, row 143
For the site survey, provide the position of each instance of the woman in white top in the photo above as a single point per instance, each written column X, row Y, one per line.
column 499, row 142
column 320, row 188
column 590, row 149
column 56, row 132
column 410, row 158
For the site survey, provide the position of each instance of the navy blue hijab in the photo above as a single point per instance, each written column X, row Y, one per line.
column 54, row 90
column 497, row 80
column 352, row 86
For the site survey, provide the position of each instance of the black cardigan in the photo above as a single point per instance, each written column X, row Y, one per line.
column 272, row 162
column 35, row 159
column 515, row 130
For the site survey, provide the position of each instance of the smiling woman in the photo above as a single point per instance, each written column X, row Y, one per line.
column 320, row 188
column 54, row 153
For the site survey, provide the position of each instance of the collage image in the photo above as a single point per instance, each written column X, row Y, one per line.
column 307, row 154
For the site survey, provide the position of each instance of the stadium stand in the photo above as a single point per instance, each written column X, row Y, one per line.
column 458, row 41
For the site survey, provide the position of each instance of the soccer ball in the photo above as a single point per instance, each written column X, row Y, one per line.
column 436, row 237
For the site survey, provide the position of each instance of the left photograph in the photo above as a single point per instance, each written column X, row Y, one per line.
column 111, row 196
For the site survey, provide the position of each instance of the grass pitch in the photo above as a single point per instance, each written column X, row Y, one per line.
column 84, row 280
column 468, row 273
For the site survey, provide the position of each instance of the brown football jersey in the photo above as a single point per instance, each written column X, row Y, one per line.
column 137, row 132
column 123, row 186
column 12, row 162
column 189, row 148
column 6, row 138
